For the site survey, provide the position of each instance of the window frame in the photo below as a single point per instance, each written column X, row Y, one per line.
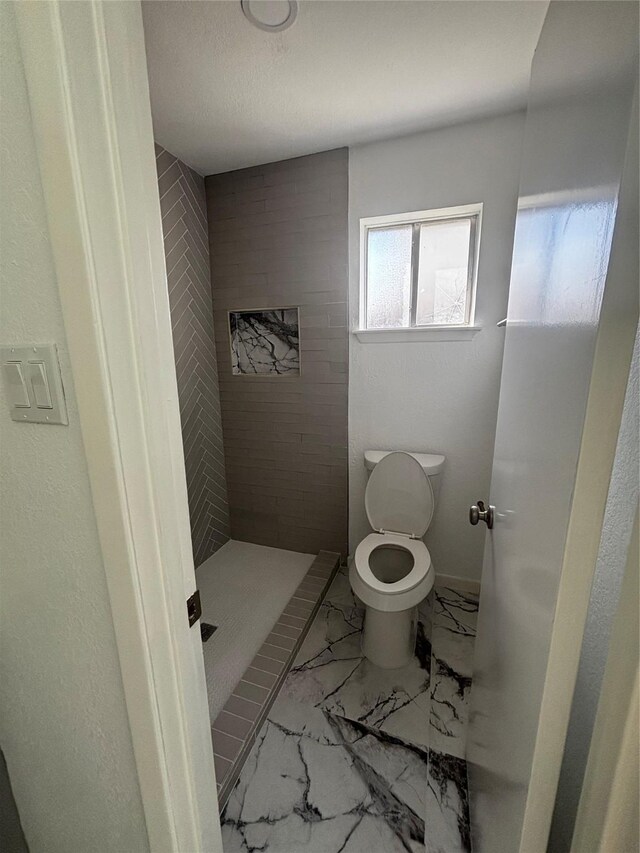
column 416, row 219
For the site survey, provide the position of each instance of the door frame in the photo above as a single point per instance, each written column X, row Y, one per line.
column 86, row 74
column 607, row 817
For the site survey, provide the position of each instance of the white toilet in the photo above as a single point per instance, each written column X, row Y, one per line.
column 391, row 571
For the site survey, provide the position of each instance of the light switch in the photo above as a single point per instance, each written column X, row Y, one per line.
column 39, row 384
column 16, row 387
column 33, row 383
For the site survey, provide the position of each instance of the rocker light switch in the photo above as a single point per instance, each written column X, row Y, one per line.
column 33, row 384
column 39, row 384
column 16, row 387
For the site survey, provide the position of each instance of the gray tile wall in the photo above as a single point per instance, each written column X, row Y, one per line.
column 278, row 237
column 184, row 224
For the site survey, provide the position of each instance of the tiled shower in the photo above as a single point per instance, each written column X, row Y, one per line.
column 266, row 456
column 186, row 244
column 278, row 238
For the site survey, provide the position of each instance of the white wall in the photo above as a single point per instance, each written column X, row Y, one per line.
column 430, row 396
column 63, row 722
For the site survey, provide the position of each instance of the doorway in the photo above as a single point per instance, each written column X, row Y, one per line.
column 122, row 337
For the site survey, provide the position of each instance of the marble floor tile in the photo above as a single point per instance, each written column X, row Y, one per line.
column 455, row 618
column 318, row 782
column 330, row 671
column 447, row 827
column 342, row 764
column 452, row 640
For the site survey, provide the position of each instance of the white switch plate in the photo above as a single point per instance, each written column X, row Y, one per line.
column 37, row 363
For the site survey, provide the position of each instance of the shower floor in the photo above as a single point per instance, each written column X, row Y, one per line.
column 243, row 589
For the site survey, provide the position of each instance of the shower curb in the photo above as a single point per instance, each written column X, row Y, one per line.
column 235, row 728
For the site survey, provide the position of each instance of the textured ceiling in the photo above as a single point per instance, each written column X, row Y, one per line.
column 226, row 95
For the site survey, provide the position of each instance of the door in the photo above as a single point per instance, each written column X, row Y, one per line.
column 569, row 336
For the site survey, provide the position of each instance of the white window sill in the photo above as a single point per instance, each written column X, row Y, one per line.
column 431, row 333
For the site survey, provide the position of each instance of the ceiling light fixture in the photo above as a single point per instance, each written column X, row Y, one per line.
column 273, row 16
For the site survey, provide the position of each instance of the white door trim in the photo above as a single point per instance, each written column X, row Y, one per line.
column 607, row 818
column 86, row 74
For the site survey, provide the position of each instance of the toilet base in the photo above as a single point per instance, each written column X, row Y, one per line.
column 388, row 638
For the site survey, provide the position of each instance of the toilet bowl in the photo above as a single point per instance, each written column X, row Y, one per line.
column 391, row 572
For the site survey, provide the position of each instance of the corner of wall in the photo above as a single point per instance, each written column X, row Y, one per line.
column 186, row 244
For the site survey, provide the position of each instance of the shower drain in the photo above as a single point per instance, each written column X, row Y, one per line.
column 207, row 630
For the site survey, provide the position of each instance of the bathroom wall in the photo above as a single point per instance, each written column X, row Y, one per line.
column 436, row 396
column 186, row 245
column 63, row 721
column 278, row 237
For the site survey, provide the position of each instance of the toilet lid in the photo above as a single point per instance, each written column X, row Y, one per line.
column 399, row 497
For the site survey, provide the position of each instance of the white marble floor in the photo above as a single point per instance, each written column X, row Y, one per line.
column 455, row 616
column 354, row 758
column 331, row 673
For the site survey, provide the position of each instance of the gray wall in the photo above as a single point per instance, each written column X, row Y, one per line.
column 63, row 721
column 278, row 237
column 186, row 245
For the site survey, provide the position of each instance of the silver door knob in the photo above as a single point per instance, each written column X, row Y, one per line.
column 478, row 512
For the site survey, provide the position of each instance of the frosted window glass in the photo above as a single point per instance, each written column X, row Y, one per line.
column 388, row 277
column 443, row 273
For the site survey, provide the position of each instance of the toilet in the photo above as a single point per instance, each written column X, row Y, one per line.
column 392, row 572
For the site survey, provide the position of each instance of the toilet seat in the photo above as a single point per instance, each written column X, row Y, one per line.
column 399, row 504
column 405, row 593
column 417, row 549
column 398, row 497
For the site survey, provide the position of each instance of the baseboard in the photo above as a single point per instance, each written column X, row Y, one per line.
column 461, row 584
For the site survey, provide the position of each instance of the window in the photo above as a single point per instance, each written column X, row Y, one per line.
column 418, row 270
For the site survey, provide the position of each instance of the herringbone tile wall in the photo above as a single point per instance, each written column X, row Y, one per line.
column 278, row 237
column 184, row 224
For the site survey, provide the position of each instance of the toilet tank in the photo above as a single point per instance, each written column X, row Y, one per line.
column 432, row 464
